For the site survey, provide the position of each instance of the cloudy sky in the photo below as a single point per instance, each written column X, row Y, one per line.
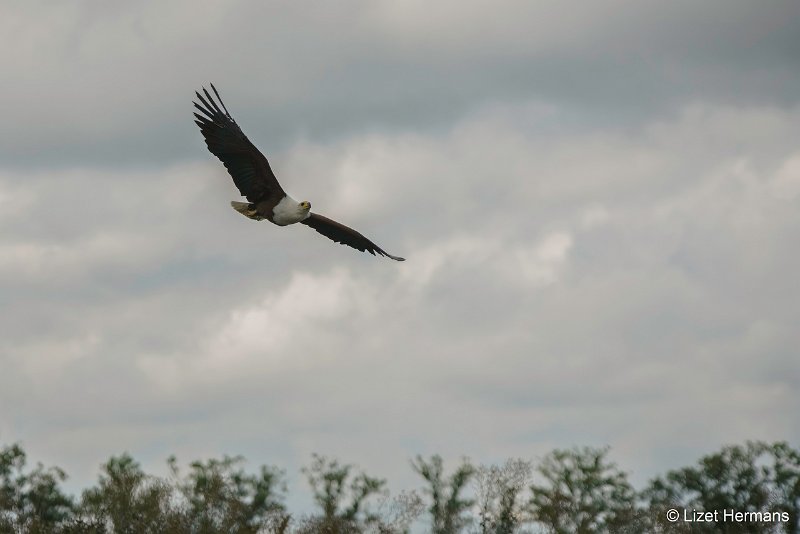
column 599, row 203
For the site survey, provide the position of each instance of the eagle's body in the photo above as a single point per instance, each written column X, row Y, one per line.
column 255, row 180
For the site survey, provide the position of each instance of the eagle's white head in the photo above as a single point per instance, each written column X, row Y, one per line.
column 290, row 211
column 305, row 210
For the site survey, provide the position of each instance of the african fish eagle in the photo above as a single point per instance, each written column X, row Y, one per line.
column 255, row 180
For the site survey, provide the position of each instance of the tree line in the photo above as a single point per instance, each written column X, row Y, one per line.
column 568, row 491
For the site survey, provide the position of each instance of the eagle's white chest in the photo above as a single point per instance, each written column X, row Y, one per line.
column 288, row 211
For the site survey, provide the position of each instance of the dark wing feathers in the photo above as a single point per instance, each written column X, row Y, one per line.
column 345, row 235
column 247, row 166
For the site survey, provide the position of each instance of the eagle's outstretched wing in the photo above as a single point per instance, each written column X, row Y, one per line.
column 345, row 235
column 247, row 166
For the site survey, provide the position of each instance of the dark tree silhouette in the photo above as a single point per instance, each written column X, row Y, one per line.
column 499, row 490
column 30, row 501
column 447, row 506
column 583, row 493
column 341, row 496
column 222, row 497
column 127, row 501
column 756, row 477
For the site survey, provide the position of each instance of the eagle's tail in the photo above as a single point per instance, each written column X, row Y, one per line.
column 248, row 210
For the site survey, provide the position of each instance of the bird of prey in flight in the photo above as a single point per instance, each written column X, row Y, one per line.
column 255, row 180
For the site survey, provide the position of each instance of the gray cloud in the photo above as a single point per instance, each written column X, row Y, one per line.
column 111, row 84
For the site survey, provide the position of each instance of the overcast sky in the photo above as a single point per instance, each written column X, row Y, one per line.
column 599, row 203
